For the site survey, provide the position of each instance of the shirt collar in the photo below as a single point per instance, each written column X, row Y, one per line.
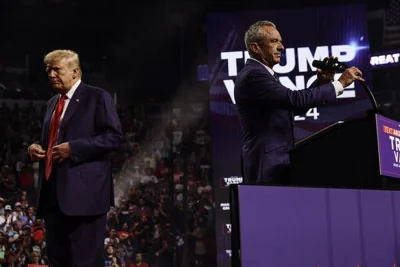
column 73, row 89
column 265, row 66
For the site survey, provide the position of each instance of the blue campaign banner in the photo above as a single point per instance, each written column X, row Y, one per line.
column 308, row 34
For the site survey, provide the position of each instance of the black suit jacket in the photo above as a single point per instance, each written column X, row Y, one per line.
column 266, row 115
column 84, row 184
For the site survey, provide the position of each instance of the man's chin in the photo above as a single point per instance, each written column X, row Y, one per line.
column 58, row 88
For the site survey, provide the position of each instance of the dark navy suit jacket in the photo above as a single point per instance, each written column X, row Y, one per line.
column 92, row 127
column 266, row 115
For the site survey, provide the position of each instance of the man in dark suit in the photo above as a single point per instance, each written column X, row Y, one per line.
column 266, row 108
column 80, row 128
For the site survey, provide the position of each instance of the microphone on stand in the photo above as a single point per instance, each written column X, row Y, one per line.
column 330, row 64
column 333, row 64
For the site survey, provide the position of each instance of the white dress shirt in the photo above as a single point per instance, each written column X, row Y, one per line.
column 69, row 97
column 338, row 86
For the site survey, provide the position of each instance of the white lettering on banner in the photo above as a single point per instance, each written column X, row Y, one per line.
column 232, row 57
column 305, row 57
column 229, row 252
column 225, row 206
column 233, row 180
column 384, row 59
column 230, row 87
column 344, row 53
column 229, row 228
column 395, row 144
column 312, row 112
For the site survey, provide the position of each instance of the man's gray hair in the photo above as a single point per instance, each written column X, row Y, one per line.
column 253, row 34
column 72, row 58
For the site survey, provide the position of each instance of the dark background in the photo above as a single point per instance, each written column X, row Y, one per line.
column 141, row 50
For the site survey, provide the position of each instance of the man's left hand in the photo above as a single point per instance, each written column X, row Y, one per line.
column 325, row 76
column 61, row 152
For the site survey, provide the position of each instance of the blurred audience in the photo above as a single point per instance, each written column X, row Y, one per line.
column 147, row 225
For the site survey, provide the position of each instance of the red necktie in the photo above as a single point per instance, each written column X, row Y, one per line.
column 53, row 133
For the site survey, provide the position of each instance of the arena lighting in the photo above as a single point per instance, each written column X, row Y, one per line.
column 385, row 59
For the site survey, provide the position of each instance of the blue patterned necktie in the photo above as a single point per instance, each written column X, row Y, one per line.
column 276, row 77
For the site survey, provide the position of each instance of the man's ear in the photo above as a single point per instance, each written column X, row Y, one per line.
column 255, row 48
column 75, row 73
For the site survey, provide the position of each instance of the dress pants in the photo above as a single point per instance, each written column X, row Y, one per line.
column 71, row 241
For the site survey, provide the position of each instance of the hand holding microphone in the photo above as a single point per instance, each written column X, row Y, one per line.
column 330, row 65
column 324, row 74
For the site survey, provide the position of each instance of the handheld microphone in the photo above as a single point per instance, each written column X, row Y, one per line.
column 330, row 65
column 333, row 64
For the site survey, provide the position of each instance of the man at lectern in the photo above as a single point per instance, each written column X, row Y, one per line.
column 266, row 108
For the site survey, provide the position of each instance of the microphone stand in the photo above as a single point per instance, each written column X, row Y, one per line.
column 375, row 109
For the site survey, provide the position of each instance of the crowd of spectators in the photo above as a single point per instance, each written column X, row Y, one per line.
column 148, row 225
column 15, row 84
column 149, row 170
column 22, row 236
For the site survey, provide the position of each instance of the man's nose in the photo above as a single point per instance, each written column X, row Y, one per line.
column 51, row 73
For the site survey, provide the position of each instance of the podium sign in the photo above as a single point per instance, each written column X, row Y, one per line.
column 293, row 226
column 388, row 134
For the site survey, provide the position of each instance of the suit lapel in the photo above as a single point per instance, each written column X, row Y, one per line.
column 256, row 64
column 73, row 104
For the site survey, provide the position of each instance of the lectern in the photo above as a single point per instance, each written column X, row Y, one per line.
column 359, row 153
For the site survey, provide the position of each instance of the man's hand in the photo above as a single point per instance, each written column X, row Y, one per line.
column 36, row 152
column 325, row 76
column 349, row 76
column 61, row 152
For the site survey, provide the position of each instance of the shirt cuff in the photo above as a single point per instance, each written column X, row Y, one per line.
column 338, row 87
